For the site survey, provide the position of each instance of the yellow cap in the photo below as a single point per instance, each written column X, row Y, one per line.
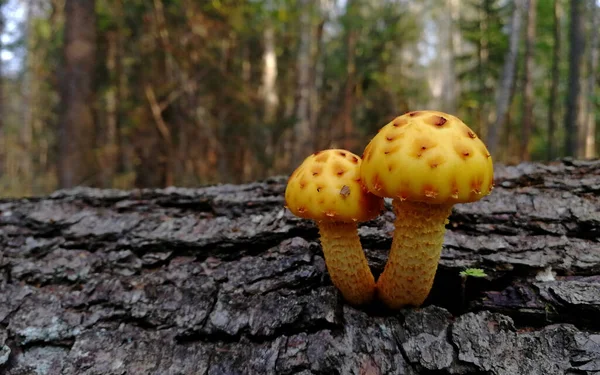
column 327, row 186
column 427, row 156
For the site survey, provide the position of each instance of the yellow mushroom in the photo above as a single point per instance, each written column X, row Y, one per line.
column 326, row 187
column 426, row 161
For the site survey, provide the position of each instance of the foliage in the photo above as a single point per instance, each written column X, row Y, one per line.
column 179, row 96
column 473, row 272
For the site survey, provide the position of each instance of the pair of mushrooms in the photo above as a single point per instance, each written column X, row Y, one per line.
column 426, row 161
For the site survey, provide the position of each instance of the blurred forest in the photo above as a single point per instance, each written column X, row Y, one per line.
column 153, row 93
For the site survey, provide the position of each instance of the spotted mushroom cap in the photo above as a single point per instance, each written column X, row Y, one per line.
column 327, row 186
column 427, row 156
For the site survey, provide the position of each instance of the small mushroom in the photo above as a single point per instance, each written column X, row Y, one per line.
column 439, row 162
column 336, row 200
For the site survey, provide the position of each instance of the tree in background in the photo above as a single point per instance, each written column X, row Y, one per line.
column 573, row 99
column 555, row 74
column 76, row 164
column 188, row 93
column 528, row 120
column 504, row 94
column 589, row 141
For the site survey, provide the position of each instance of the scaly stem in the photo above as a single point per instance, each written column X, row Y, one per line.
column 416, row 247
column 346, row 261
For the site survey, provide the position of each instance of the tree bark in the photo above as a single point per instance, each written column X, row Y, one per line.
column 302, row 133
column 223, row 280
column 507, row 82
column 590, row 125
column 576, row 52
column 553, row 99
column 76, row 161
column 528, row 121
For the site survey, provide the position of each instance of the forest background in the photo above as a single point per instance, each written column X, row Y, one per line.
column 154, row 93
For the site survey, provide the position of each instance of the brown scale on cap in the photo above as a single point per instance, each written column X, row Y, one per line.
column 435, row 120
column 430, row 191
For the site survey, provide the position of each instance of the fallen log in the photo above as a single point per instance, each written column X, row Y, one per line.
column 223, row 280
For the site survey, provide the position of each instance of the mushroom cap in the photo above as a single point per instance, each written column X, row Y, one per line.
column 327, row 186
column 428, row 156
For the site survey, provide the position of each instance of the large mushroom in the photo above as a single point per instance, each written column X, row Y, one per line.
column 326, row 187
column 426, row 161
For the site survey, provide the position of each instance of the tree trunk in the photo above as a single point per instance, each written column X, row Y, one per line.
column 76, row 161
column 553, row 99
column 590, row 126
column 528, row 121
column 451, row 87
column 507, row 82
column 303, row 138
column 483, row 57
column 222, row 280
column 346, row 119
column 269, row 88
column 576, row 52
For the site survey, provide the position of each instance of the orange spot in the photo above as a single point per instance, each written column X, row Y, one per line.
column 319, row 189
column 389, row 138
column 376, row 183
column 413, row 114
column 454, row 189
column 403, row 196
column 423, row 144
column 340, row 172
column 302, row 184
column 342, row 153
column 322, row 158
column 471, row 134
column 354, row 159
column 367, row 153
column 436, row 161
column 476, row 186
column 390, row 167
column 400, row 121
column 301, row 210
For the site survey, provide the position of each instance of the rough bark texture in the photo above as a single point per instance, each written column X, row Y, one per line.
column 223, row 280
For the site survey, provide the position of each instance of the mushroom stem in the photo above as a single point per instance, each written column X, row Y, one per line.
column 416, row 247
column 346, row 262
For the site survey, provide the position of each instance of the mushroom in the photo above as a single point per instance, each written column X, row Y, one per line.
column 426, row 161
column 326, row 187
